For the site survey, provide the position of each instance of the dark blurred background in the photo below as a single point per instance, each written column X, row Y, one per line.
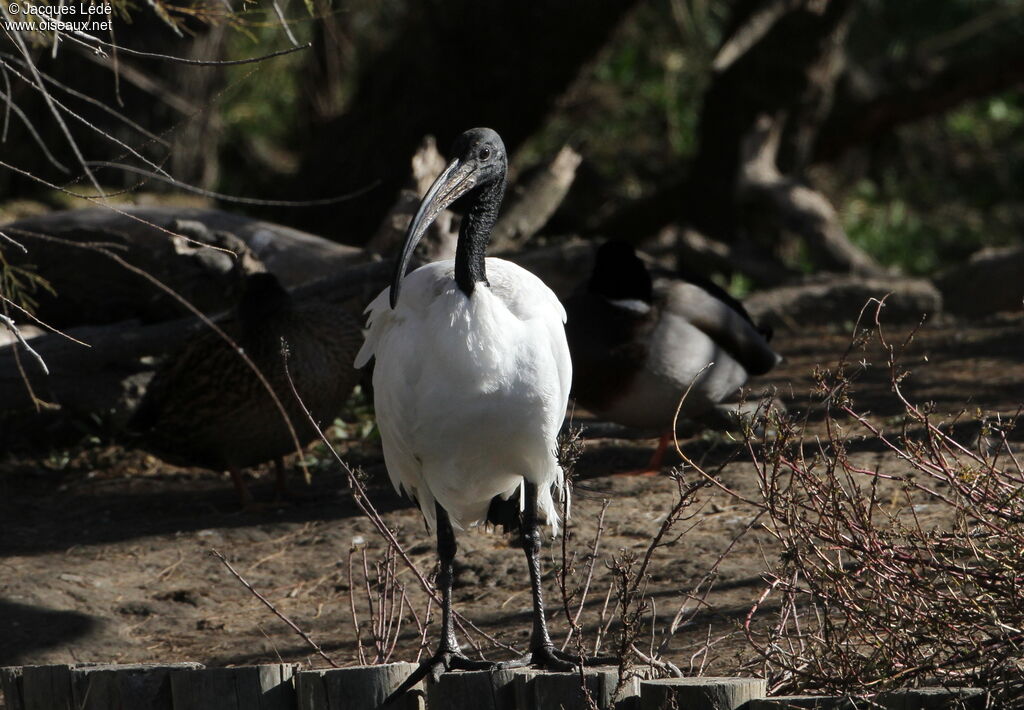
column 706, row 115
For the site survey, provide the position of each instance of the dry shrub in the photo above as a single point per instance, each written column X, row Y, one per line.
column 906, row 572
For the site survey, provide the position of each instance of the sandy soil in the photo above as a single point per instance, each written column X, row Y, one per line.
column 106, row 553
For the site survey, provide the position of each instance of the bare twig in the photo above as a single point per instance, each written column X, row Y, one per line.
column 94, row 42
column 24, row 343
column 165, row 178
column 870, row 590
column 38, row 81
column 274, row 609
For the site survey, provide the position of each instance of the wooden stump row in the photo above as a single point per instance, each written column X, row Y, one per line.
column 189, row 686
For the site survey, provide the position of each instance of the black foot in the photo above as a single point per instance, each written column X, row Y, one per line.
column 442, row 661
column 550, row 658
column 587, row 661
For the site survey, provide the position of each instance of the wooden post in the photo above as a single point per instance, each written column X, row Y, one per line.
column 124, row 687
column 46, row 687
column 557, row 690
column 265, row 687
column 536, row 689
column 629, row 697
column 357, row 688
column 10, row 688
column 476, row 690
column 700, row 693
column 933, row 699
column 799, row 702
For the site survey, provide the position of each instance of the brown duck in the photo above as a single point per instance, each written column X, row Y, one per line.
column 206, row 407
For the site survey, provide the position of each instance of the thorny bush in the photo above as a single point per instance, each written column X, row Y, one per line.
column 907, row 572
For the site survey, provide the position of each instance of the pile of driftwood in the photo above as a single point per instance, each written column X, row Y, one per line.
column 125, row 285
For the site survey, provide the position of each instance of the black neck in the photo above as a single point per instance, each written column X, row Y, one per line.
column 475, row 233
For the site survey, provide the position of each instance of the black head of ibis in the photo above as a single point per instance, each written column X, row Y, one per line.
column 477, row 172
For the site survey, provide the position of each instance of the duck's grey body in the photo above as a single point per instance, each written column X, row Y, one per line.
column 638, row 349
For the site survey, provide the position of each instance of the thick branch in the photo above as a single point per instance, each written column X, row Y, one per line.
column 795, row 206
column 532, row 206
column 854, row 122
column 442, row 234
column 751, row 31
column 450, row 66
column 108, row 375
column 705, row 256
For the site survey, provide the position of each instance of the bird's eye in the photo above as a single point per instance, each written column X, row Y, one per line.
column 484, row 154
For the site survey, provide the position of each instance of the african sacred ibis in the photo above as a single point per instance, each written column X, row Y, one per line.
column 471, row 383
column 206, row 407
column 638, row 345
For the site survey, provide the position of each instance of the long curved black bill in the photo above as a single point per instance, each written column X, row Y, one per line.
column 456, row 180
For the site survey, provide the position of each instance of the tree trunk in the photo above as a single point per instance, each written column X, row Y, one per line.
column 792, row 64
column 451, row 66
column 778, row 62
column 858, row 120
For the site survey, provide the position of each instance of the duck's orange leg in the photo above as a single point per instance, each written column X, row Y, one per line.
column 245, row 499
column 653, row 467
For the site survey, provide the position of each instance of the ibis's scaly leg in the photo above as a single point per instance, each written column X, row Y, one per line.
column 449, row 655
column 446, row 549
column 542, row 651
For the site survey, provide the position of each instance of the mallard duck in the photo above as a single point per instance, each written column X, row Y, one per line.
column 471, row 384
column 206, row 407
column 637, row 345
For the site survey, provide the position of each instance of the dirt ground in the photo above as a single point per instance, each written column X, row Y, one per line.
column 106, row 553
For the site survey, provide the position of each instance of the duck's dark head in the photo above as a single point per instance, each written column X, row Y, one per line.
column 264, row 297
column 477, row 172
column 619, row 274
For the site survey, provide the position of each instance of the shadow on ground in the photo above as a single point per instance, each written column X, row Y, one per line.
column 29, row 629
column 47, row 517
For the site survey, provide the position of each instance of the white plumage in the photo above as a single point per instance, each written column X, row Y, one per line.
column 471, row 384
column 470, row 390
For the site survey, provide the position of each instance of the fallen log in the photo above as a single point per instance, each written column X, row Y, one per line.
column 106, row 378
column 70, row 251
column 534, row 202
column 839, row 299
column 763, row 191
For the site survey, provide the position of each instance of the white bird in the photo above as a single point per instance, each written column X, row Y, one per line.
column 471, row 384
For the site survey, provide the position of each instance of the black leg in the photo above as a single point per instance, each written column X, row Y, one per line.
column 542, row 651
column 540, row 641
column 448, row 656
column 446, row 549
